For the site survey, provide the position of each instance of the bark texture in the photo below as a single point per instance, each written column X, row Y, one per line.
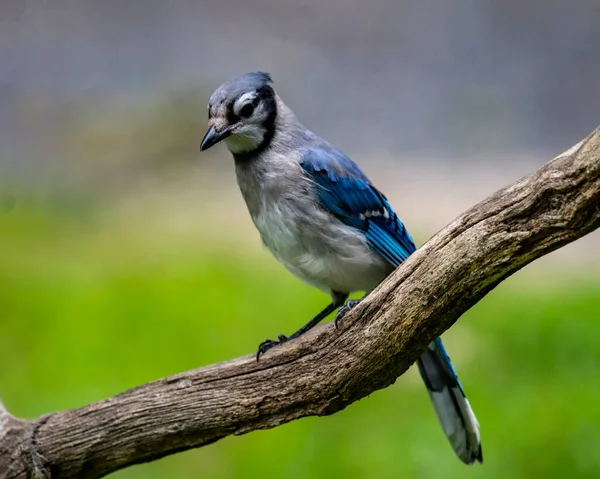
column 327, row 369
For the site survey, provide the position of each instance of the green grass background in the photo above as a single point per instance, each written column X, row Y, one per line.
column 90, row 309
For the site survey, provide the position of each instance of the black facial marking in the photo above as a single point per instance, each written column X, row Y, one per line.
column 231, row 116
column 266, row 95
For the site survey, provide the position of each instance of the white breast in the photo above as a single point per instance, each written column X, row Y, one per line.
column 307, row 240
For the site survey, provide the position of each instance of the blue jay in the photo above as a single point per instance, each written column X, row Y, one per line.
column 320, row 216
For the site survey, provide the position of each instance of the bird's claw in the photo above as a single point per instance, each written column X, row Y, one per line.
column 268, row 344
column 344, row 309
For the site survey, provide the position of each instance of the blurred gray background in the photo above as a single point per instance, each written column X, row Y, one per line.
column 428, row 75
column 441, row 102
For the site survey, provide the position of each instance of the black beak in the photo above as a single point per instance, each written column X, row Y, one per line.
column 213, row 136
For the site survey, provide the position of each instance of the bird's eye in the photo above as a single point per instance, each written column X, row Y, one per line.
column 247, row 110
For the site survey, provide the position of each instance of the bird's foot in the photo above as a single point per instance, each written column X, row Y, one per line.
column 344, row 309
column 268, row 344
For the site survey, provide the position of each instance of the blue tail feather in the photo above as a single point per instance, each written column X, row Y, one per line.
column 450, row 403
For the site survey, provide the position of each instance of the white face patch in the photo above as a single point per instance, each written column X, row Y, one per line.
column 245, row 138
column 243, row 100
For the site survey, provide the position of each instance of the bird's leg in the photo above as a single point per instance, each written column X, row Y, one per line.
column 336, row 301
column 345, row 308
column 282, row 338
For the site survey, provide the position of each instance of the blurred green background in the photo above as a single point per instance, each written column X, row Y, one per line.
column 126, row 256
column 95, row 301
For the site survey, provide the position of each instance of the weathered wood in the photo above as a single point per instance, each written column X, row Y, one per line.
column 327, row 369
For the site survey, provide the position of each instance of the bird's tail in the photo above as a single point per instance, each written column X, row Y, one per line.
column 451, row 405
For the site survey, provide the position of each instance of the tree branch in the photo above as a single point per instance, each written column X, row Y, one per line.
column 327, row 369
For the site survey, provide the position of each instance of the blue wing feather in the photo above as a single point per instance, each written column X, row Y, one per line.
column 348, row 194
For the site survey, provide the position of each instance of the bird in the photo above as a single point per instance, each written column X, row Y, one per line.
column 325, row 221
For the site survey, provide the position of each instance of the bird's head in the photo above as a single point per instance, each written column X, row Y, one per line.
column 242, row 112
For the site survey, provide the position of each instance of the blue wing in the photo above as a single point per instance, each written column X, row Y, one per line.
column 347, row 192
